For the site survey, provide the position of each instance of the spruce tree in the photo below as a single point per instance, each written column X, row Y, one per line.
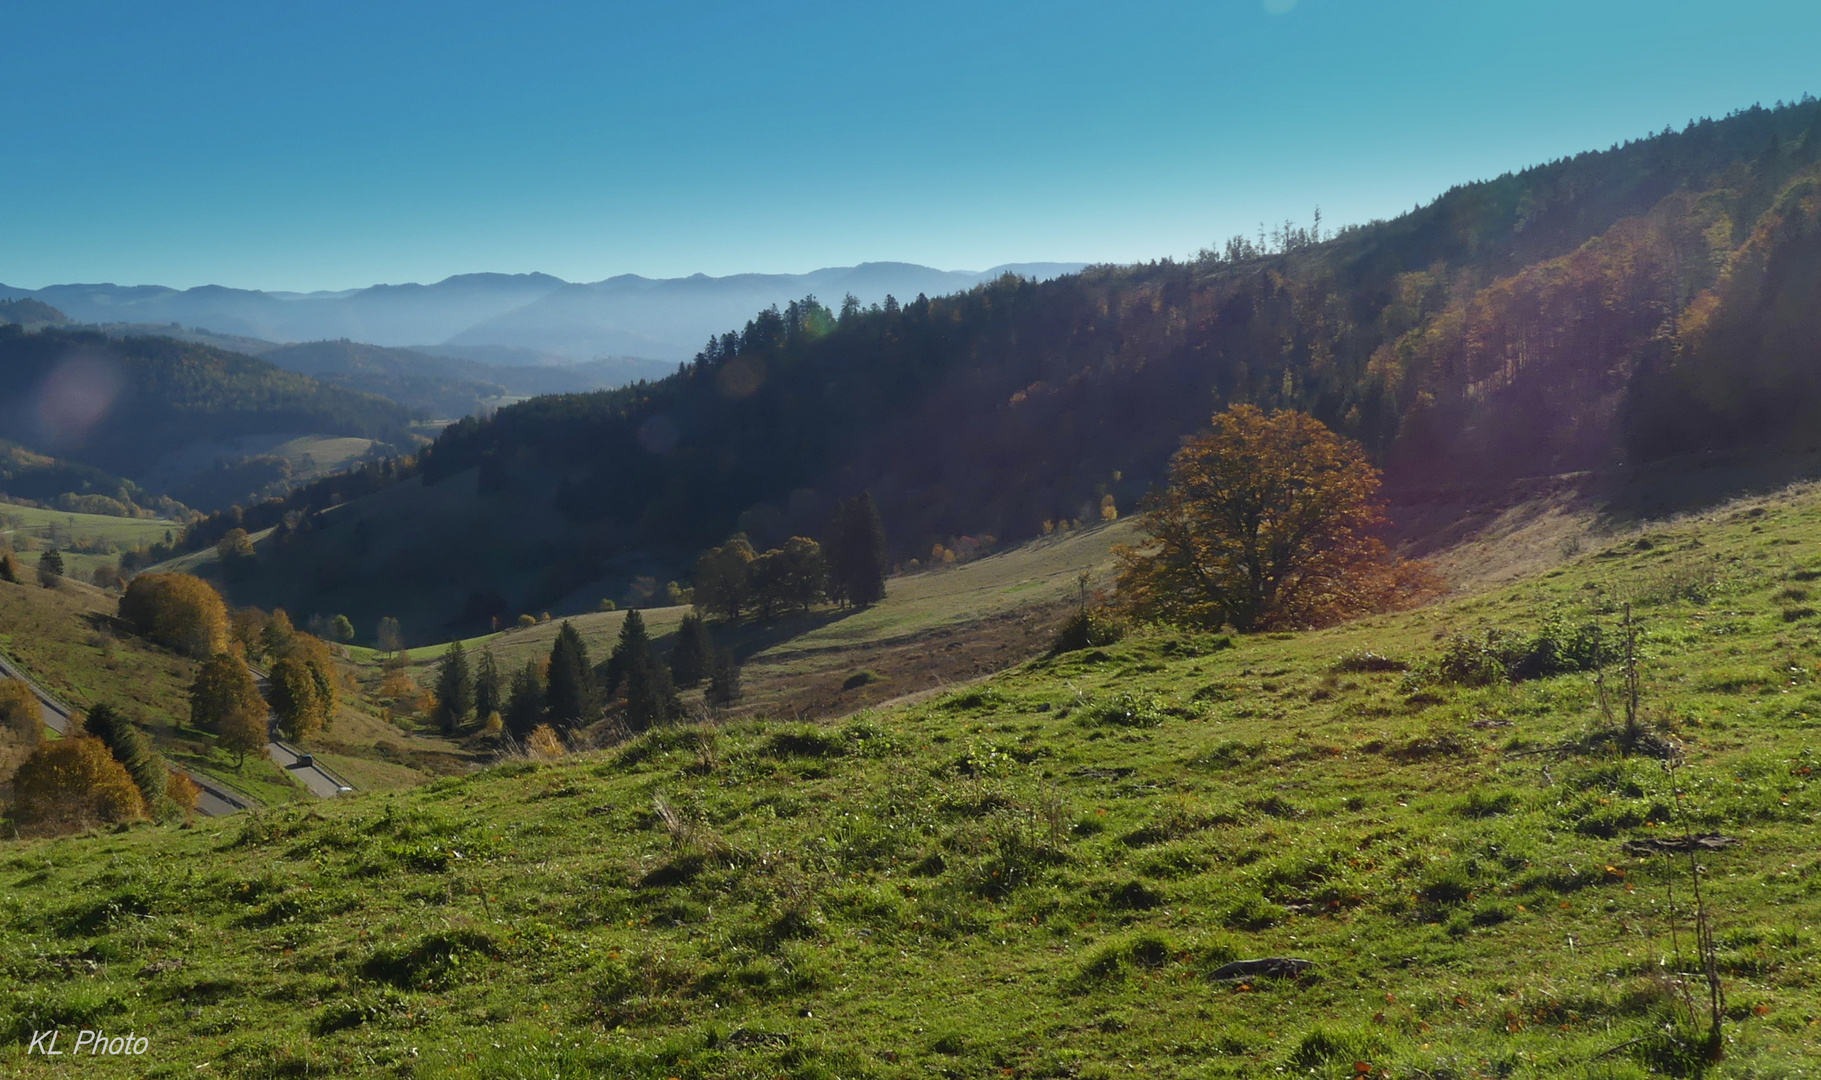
column 131, row 748
column 692, row 658
column 651, row 698
column 489, row 687
column 454, row 688
column 525, row 709
column 570, row 699
column 632, row 649
column 856, row 552
column 724, row 687
column 50, row 568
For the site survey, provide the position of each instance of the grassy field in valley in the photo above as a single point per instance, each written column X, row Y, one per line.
column 1037, row 875
column 29, row 530
column 939, row 626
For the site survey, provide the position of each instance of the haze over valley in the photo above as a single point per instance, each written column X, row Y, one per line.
column 512, row 319
column 1360, row 620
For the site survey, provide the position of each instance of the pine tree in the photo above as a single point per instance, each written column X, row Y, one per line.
column 489, row 687
column 50, row 568
column 632, row 649
column 571, row 699
column 692, row 658
column 856, row 552
column 525, row 710
column 454, row 689
column 131, row 748
column 651, row 698
column 724, row 687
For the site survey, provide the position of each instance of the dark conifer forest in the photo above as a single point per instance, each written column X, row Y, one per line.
column 1612, row 308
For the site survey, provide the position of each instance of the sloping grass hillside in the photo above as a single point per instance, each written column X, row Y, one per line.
column 933, row 628
column 69, row 642
column 1041, row 875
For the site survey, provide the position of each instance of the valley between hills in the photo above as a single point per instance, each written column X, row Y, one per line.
column 847, row 699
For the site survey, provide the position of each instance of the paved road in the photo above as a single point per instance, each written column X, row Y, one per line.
column 316, row 780
column 216, row 800
column 320, row 781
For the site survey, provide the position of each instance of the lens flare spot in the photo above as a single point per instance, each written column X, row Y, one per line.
column 658, row 435
column 74, row 397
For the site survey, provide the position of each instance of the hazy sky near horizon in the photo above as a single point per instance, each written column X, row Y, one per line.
column 333, row 144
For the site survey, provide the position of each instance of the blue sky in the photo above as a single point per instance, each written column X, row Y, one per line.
column 331, row 145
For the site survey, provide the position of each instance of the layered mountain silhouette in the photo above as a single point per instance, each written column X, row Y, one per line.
column 508, row 319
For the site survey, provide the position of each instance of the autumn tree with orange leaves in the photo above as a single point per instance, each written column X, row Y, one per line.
column 1268, row 522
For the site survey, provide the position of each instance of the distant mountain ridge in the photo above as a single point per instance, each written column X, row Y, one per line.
column 505, row 315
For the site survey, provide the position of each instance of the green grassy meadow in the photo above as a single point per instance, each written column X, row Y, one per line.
column 29, row 529
column 1035, row 875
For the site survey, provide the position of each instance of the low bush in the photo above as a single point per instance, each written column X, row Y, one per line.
column 1364, row 660
column 1502, row 656
column 1086, row 629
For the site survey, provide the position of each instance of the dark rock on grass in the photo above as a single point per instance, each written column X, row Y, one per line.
column 1274, row 967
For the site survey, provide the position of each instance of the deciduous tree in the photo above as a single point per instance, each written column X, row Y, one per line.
column 1268, row 521
column 178, row 611
column 21, row 716
column 723, row 580
column 793, row 576
column 224, row 699
column 74, row 781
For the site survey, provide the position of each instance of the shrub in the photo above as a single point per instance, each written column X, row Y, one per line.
column 1086, row 629
column 1502, row 656
column 805, row 740
column 544, row 743
column 1127, row 709
column 1362, row 660
column 182, row 792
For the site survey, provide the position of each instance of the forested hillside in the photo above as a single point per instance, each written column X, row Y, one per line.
column 1635, row 303
column 128, row 406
